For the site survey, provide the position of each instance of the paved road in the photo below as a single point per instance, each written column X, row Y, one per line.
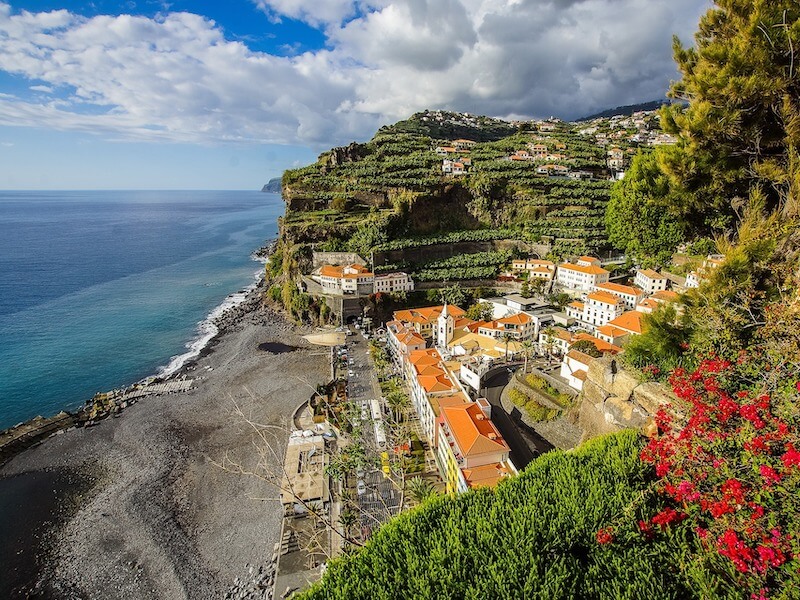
column 525, row 443
column 381, row 498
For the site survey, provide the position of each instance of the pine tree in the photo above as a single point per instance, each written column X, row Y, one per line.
column 741, row 128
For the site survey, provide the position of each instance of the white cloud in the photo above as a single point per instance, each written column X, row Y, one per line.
column 176, row 76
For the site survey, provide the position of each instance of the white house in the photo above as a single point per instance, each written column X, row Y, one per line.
column 630, row 296
column 650, row 281
column 581, row 277
column 393, row 282
column 347, row 279
column 575, row 368
column 601, row 307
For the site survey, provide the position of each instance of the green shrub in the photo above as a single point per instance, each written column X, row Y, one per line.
column 534, row 536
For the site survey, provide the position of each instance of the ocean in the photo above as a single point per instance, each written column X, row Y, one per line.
column 100, row 289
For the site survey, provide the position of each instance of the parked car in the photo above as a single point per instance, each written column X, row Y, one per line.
column 350, row 373
column 361, row 487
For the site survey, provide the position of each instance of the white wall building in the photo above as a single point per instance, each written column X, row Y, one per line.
column 650, row 281
column 630, row 296
column 389, row 283
column 581, row 277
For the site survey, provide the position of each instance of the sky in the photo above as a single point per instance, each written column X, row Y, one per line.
column 148, row 94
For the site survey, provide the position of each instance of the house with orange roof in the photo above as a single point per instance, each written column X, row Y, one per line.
column 423, row 320
column 600, row 308
column 588, row 261
column 445, row 150
column 555, row 340
column 519, row 326
column 611, row 335
column 630, row 321
column 462, row 144
column 401, row 341
column 453, row 167
column 345, row 279
column 647, row 305
column 581, row 277
column 575, row 368
column 650, row 281
column 535, row 267
column 630, row 295
column 712, row 261
column 537, row 150
column 665, row 296
column 468, row 441
column 428, row 378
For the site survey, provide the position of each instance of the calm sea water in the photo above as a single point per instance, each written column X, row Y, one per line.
column 101, row 289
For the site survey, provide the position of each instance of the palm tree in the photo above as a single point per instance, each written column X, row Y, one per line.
column 527, row 346
column 507, row 337
column 420, row 489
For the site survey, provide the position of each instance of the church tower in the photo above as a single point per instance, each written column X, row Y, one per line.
column 444, row 328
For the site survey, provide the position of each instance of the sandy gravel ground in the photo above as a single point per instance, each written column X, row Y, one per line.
column 164, row 521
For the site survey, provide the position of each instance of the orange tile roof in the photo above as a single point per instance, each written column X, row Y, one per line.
column 580, row 374
column 620, row 289
column 649, row 303
column 330, row 271
column 611, row 331
column 472, row 431
column 485, row 475
column 576, row 304
column 579, row 356
column 427, row 314
column 541, row 270
column 435, row 383
column 604, row 297
column 518, row 319
column 428, row 356
column 439, row 402
column 651, row 274
column 629, row 321
column 601, row 345
column 589, row 258
column 591, row 270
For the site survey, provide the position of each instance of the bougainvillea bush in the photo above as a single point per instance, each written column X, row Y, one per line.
column 728, row 461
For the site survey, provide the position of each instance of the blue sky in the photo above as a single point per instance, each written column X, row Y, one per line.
column 225, row 95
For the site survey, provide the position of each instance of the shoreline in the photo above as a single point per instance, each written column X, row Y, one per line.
column 234, row 306
column 168, row 522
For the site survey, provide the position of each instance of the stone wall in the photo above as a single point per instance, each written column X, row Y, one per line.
column 613, row 399
column 336, row 258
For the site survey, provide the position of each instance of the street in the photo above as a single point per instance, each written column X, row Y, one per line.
column 525, row 444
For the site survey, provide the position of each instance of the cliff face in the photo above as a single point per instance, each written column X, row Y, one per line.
column 613, row 399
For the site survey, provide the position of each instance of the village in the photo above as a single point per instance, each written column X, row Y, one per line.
column 421, row 404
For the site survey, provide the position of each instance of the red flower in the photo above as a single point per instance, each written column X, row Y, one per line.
column 667, row 516
column 792, row 457
column 770, row 475
column 605, row 535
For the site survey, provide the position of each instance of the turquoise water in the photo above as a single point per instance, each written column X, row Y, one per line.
column 101, row 289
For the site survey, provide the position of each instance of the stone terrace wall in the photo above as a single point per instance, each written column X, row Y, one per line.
column 336, row 258
column 613, row 399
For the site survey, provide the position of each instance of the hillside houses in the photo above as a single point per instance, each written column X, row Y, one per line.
column 469, row 450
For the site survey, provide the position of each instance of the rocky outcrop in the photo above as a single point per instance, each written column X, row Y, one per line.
column 613, row 399
column 343, row 154
column 273, row 186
